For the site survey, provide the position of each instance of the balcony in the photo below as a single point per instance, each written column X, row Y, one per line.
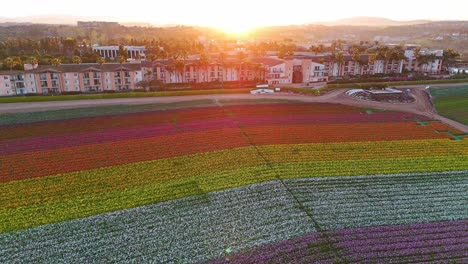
column 19, row 85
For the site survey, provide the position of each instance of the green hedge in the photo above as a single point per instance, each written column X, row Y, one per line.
column 41, row 98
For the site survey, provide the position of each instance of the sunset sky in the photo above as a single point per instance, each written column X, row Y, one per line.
column 238, row 14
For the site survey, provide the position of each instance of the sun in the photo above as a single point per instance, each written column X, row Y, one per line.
column 237, row 28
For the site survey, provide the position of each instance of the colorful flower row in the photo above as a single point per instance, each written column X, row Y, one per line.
column 110, row 135
column 192, row 229
column 325, row 118
column 351, row 202
column 424, row 242
column 48, row 162
column 58, row 127
column 203, row 226
column 297, row 134
column 62, row 197
column 42, row 142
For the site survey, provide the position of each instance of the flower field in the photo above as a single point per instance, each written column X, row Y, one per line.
column 249, row 183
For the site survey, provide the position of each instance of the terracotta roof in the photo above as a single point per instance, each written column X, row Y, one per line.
column 268, row 61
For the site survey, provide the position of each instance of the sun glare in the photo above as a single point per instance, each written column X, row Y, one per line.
column 236, row 29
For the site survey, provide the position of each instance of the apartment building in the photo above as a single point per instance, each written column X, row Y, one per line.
column 276, row 71
column 17, row 83
column 93, row 77
column 86, row 77
column 431, row 66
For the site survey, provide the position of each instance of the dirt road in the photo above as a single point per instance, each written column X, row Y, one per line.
column 422, row 105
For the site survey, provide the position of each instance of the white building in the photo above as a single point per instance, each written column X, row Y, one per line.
column 111, row 52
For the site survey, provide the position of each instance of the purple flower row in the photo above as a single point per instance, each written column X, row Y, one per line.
column 385, row 244
column 96, row 137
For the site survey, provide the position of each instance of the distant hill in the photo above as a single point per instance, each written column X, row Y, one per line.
column 52, row 19
column 372, row 21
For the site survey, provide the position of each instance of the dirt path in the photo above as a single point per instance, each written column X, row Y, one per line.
column 421, row 106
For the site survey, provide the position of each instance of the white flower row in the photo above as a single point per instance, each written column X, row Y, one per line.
column 181, row 231
column 339, row 203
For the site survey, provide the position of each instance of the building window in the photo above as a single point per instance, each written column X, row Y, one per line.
column 75, row 75
column 65, row 75
column 5, row 77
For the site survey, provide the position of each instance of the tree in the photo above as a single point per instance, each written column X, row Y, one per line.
column 371, row 60
column 122, row 52
column 10, row 63
column 121, row 59
column 56, row 62
column 425, row 60
column 33, row 60
column 222, row 61
column 339, row 59
column 241, row 58
column 76, row 59
column 179, row 69
column 203, row 63
column 450, row 56
column 356, row 58
column 100, row 60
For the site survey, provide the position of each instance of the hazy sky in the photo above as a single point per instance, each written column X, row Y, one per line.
column 238, row 14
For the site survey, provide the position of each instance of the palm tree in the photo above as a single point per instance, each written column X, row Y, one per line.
column 10, row 63
column 371, row 61
column 203, row 62
column 101, row 61
column 179, row 69
column 121, row 59
column 56, row 62
column 424, row 60
column 170, row 68
column 241, row 58
column 76, row 59
column 33, row 61
column 222, row 61
column 449, row 57
column 339, row 59
column 356, row 58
